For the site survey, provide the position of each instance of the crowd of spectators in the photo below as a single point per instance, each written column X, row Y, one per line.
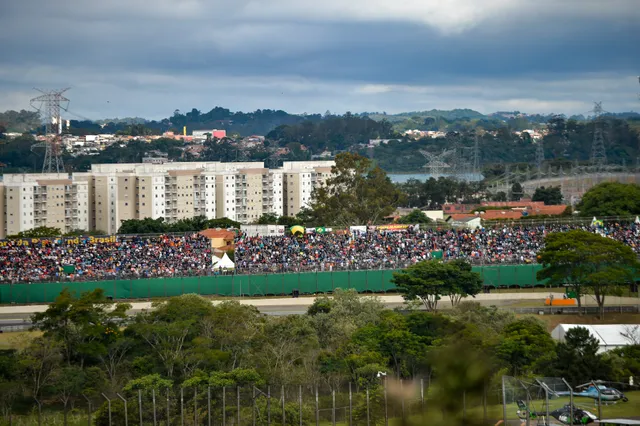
column 137, row 257
column 395, row 249
column 189, row 255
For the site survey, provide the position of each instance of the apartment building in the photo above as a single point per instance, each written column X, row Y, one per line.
column 108, row 194
column 48, row 199
column 300, row 178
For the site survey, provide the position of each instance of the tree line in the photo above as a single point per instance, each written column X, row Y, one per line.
column 89, row 346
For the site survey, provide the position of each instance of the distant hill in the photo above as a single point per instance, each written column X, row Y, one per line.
column 263, row 121
column 455, row 114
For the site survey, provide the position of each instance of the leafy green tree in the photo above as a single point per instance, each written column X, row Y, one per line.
column 463, row 281
column 82, row 232
column 82, row 324
column 267, row 219
column 143, row 226
column 38, row 362
column 288, row 221
column 147, row 383
column 500, row 196
column 67, row 385
column 169, row 330
column 584, row 260
column 356, row 193
column 516, row 192
column 526, row 347
column 550, row 196
column 415, row 217
column 284, row 343
column 577, row 358
column 611, row 199
column 429, row 280
column 336, row 318
column 39, row 232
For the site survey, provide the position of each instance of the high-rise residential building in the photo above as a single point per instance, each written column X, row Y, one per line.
column 48, row 199
column 300, row 179
column 102, row 198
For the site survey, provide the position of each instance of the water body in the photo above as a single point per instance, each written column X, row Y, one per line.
column 404, row 177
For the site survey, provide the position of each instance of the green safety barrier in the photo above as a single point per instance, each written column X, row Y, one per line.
column 371, row 281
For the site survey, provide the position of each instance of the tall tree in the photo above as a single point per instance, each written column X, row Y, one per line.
column 578, row 359
column 356, row 193
column 584, row 260
column 80, row 324
column 611, row 199
column 429, row 280
column 551, row 196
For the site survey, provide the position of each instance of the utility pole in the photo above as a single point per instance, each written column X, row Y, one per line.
column 49, row 105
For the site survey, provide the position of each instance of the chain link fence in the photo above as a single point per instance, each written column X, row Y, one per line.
column 553, row 401
column 407, row 402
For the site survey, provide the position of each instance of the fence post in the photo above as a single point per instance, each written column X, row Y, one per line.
column 300, row 403
column 153, row 399
column 253, row 409
column 238, row 403
column 209, row 405
column 269, row 405
column 484, row 403
column 464, row 405
column 284, row 414
column 350, row 405
column 422, row 396
column 195, row 405
column 126, row 414
column 570, row 401
column 224, row 405
column 109, row 407
column 599, row 400
column 402, row 399
column 182, row 406
column 333, row 407
column 504, row 402
column 140, row 405
column 386, row 408
column 368, row 415
column 40, row 412
column 317, row 408
column 168, row 409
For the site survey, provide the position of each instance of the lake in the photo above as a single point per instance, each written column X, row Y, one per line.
column 404, row 177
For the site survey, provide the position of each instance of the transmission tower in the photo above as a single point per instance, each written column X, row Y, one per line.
column 476, row 157
column 539, row 158
column 436, row 163
column 598, row 151
column 49, row 105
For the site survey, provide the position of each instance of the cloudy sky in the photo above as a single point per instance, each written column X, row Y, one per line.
column 147, row 58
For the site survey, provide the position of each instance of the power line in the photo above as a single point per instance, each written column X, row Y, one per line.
column 49, row 105
column 436, row 163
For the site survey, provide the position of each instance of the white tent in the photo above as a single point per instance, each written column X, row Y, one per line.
column 225, row 263
column 609, row 336
column 215, row 259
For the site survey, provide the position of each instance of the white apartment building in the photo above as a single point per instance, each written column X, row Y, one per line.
column 300, row 178
column 47, row 199
column 109, row 194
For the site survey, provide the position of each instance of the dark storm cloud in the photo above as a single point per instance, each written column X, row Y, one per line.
column 245, row 55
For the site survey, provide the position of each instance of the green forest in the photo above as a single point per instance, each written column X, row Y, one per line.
column 568, row 141
column 87, row 346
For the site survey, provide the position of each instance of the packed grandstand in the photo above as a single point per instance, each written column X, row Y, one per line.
column 190, row 255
